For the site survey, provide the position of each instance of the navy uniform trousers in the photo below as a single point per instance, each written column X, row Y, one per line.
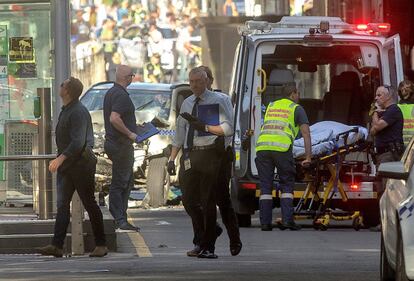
column 266, row 161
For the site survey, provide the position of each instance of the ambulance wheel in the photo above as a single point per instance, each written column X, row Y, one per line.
column 244, row 220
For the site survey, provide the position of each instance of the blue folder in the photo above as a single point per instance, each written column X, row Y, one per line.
column 209, row 114
column 146, row 131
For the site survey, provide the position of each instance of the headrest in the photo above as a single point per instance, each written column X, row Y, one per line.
column 346, row 81
column 280, row 77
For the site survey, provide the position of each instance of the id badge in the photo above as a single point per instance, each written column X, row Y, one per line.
column 187, row 162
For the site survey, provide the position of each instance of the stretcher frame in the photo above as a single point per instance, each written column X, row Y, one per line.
column 313, row 206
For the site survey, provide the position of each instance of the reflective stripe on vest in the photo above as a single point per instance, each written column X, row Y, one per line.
column 408, row 115
column 278, row 131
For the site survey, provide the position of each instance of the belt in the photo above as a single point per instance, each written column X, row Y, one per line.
column 202, row 147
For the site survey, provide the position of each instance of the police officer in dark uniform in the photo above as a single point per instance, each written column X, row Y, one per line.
column 387, row 126
column 153, row 72
column 203, row 148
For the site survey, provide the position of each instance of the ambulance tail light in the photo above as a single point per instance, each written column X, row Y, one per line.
column 362, row 27
column 248, row 185
column 354, row 187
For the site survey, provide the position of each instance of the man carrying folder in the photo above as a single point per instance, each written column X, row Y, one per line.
column 205, row 118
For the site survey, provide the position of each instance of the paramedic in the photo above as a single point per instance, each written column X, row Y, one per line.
column 387, row 126
column 283, row 120
column 406, row 91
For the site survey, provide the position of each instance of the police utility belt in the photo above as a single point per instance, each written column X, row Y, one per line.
column 203, row 147
column 392, row 147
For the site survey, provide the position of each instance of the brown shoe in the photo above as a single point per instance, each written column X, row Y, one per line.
column 99, row 251
column 50, row 250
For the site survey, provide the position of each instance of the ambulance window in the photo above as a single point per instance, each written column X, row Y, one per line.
column 393, row 67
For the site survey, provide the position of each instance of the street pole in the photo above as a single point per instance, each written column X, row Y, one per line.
column 61, row 33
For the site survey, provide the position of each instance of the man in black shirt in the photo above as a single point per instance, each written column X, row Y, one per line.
column 387, row 126
column 75, row 166
column 120, row 128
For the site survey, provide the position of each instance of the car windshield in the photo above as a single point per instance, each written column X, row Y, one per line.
column 156, row 102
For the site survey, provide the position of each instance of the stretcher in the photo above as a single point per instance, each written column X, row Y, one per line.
column 324, row 178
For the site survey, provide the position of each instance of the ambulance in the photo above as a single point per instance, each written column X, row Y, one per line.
column 336, row 67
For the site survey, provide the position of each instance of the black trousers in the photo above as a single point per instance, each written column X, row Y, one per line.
column 228, row 216
column 79, row 177
column 198, row 188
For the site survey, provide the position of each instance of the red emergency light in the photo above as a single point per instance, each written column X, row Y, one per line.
column 371, row 28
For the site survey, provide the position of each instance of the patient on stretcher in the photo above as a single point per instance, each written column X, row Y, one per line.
column 323, row 136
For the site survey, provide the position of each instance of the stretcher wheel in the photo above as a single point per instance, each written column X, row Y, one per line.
column 321, row 223
column 323, row 227
column 357, row 223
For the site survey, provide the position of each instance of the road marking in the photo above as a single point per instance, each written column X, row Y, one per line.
column 162, row 223
column 138, row 241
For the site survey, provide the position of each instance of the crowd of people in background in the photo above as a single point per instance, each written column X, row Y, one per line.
column 164, row 36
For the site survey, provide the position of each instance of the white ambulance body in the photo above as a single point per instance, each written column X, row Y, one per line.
column 336, row 67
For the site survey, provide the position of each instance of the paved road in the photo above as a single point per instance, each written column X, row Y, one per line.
column 158, row 253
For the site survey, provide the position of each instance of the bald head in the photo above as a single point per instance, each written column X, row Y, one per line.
column 124, row 75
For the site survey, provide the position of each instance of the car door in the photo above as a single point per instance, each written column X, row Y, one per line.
column 396, row 192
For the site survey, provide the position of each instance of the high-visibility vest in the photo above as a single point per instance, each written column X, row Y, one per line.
column 408, row 115
column 279, row 130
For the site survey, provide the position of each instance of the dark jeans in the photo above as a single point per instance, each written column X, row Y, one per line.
column 266, row 162
column 198, row 187
column 122, row 157
column 79, row 177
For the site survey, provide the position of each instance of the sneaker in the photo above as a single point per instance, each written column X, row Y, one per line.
column 291, row 226
column 194, row 252
column 206, row 254
column 266, row 227
column 99, row 251
column 50, row 250
column 127, row 227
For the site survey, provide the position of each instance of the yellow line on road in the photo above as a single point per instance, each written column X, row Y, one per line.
column 138, row 241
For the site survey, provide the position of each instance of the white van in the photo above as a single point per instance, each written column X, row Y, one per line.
column 337, row 67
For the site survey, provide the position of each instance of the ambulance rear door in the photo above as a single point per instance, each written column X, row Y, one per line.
column 392, row 66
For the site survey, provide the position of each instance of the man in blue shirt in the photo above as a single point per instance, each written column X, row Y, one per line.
column 120, row 129
column 203, row 146
column 387, row 126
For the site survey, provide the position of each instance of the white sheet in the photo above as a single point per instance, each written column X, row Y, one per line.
column 323, row 136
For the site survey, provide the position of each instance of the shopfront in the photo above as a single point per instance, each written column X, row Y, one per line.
column 30, row 41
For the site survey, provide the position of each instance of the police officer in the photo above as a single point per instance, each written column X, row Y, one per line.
column 283, row 120
column 406, row 91
column 387, row 126
column 203, row 148
column 152, row 71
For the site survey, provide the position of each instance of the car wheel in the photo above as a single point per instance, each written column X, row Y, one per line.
column 401, row 274
column 244, row 220
column 158, row 182
column 386, row 271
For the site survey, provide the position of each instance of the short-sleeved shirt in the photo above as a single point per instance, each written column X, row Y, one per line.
column 117, row 100
column 393, row 133
column 300, row 118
